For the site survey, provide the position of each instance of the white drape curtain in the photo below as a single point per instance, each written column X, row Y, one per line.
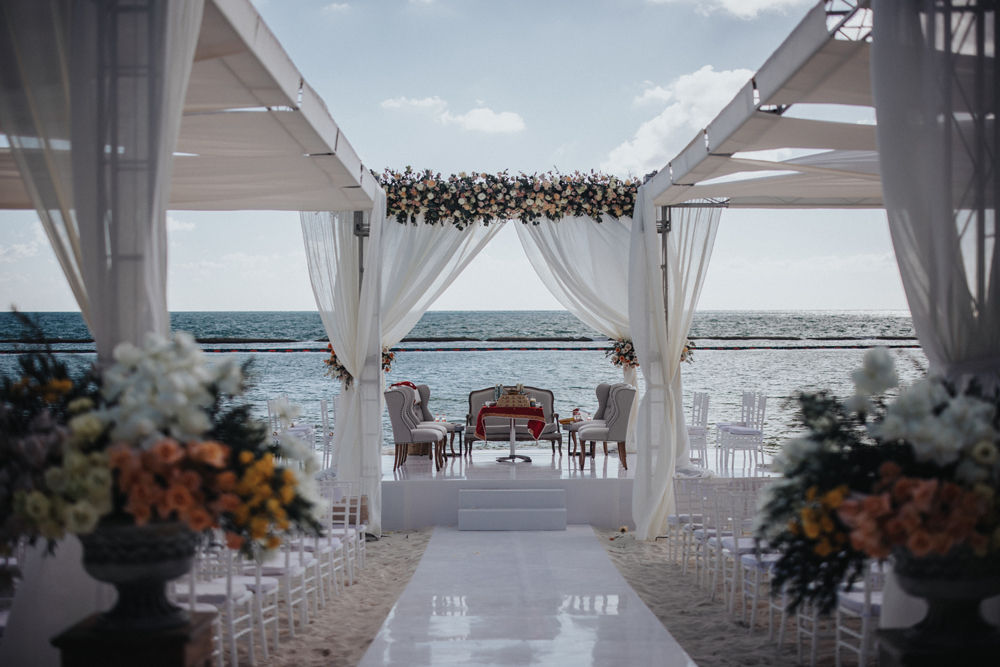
column 936, row 100
column 406, row 268
column 100, row 177
column 100, row 180
column 661, row 432
column 584, row 264
column 420, row 262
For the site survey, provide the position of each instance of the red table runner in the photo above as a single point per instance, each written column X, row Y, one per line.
column 535, row 417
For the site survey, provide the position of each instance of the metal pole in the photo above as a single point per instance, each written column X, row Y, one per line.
column 361, row 231
column 664, row 229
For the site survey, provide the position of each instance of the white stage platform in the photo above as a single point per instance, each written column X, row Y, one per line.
column 416, row 495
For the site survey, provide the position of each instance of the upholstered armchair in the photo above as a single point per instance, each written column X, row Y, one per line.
column 408, row 428
column 596, row 420
column 615, row 426
column 424, row 394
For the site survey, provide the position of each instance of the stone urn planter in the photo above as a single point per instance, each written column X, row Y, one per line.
column 139, row 561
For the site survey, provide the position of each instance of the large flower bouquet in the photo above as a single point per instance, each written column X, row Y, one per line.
column 157, row 436
column 917, row 478
column 464, row 199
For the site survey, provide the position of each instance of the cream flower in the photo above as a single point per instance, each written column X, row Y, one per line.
column 877, row 373
column 81, row 517
column 36, row 506
column 985, row 452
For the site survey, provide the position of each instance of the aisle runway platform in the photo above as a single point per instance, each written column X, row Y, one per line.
column 417, row 495
column 516, row 598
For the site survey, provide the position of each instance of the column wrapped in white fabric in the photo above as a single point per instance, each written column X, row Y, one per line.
column 661, row 432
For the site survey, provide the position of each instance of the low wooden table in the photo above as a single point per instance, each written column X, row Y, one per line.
column 86, row 645
column 536, row 424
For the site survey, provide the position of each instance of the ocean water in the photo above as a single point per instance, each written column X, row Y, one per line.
column 775, row 367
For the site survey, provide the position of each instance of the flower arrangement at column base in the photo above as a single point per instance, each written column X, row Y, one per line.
column 916, row 481
column 139, row 561
column 138, row 460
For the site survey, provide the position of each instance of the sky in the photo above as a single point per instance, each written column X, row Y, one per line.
column 619, row 86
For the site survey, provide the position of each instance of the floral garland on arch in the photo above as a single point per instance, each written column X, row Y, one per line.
column 464, row 199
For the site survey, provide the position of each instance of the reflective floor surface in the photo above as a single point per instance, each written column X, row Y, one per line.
column 520, row 598
column 544, row 464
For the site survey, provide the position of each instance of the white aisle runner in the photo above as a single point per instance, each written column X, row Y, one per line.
column 520, row 598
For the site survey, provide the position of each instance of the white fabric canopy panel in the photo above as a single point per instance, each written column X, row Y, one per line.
column 824, row 61
column 255, row 135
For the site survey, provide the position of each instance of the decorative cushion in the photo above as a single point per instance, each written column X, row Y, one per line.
column 854, row 601
column 210, row 592
column 742, row 430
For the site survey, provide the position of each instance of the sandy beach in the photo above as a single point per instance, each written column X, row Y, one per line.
column 710, row 635
column 341, row 633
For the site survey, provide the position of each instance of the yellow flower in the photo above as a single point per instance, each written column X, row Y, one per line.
column 288, row 476
column 832, row 499
column 241, row 515
column 287, row 494
column 246, row 457
column 273, row 542
column 823, row 549
column 827, row 524
column 811, row 493
column 258, row 527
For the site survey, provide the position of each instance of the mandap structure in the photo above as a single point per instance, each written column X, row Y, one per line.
column 928, row 70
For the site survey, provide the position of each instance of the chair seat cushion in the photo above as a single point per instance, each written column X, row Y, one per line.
column 675, row 519
column 576, row 426
column 764, row 564
column 742, row 430
column 250, row 581
column 210, row 592
column 434, row 426
column 592, row 433
column 742, row 545
column 426, row 435
column 854, row 601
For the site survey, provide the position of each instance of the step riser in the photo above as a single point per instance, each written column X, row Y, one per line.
column 512, row 499
column 512, row 519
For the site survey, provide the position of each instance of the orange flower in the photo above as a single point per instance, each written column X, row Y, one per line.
column 199, row 520
column 233, row 541
column 225, row 481
column 246, row 457
column 168, row 451
column 273, row 542
column 229, row 502
column 903, row 489
column 923, row 494
column 209, row 452
column 941, row 543
column 140, row 510
column 919, row 543
column 178, row 498
column 878, row 505
column 950, row 492
column 120, row 457
column 190, row 480
column 889, row 471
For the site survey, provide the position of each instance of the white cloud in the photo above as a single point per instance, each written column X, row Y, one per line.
column 696, row 99
column 335, row 9
column 486, row 120
column 434, row 105
column 480, row 120
column 652, row 94
column 744, row 9
column 174, row 225
column 16, row 251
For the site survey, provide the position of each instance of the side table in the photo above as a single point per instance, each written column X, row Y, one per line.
column 86, row 645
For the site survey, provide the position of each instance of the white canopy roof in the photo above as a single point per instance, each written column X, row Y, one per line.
column 823, row 61
column 254, row 135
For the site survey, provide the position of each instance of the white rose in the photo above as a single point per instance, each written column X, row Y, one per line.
column 81, row 517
